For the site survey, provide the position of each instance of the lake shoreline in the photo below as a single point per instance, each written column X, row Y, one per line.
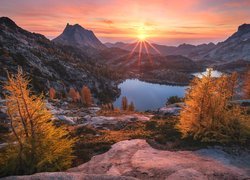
column 146, row 95
column 150, row 94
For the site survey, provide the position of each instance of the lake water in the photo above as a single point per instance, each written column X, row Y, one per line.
column 214, row 73
column 149, row 96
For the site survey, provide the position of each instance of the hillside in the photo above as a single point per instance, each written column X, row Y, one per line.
column 51, row 65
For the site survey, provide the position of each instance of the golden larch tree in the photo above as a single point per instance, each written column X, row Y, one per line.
column 35, row 144
column 131, row 106
column 124, row 103
column 78, row 97
column 73, row 94
column 86, row 96
column 207, row 115
column 52, row 93
column 246, row 86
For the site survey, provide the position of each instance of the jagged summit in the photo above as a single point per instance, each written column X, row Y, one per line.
column 8, row 22
column 244, row 28
column 76, row 35
column 242, row 34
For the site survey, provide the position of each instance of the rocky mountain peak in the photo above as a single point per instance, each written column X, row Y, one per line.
column 244, row 28
column 77, row 36
column 74, row 27
column 242, row 34
column 7, row 22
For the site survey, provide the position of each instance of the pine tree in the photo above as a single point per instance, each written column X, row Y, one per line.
column 131, row 107
column 35, row 144
column 207, row 115
column 124, row 103
column 52, row 93
column 86, row 96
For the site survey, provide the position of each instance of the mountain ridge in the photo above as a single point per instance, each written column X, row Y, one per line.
column 49, row 64
column 236, row 47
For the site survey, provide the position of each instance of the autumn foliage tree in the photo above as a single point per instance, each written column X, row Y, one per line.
column 207, row 115
column 35, row 144
column 52, row 93
column 86, row 96
column 73, row 94
column 78, row 97
column 131, row 106
column 246, row 86
column 124, row 103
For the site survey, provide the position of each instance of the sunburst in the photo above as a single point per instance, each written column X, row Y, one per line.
column 143, row 44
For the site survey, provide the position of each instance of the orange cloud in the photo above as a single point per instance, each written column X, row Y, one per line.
column 116, row 20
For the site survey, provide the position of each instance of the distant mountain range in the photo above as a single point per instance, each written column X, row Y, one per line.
column 183, row 49
column 236, row 47
column 77, row 57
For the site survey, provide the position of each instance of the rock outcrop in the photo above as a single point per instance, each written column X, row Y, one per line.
column 136, row 159
column 82, row 116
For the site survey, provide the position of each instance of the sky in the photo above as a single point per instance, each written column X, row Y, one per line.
column 169, row 22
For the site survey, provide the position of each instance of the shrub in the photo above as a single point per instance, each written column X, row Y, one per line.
column 151, row 125
column 174, row 99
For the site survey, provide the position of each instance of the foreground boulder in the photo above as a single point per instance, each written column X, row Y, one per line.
column 68, row 176
column 136, row 159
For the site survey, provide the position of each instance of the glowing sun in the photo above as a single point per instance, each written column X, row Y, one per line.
column 142, row 36
column 142, row 33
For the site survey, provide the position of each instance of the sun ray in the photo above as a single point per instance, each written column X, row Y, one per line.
column 148, row 54
column 133, row 50
column 151, row 45
column 140, row 52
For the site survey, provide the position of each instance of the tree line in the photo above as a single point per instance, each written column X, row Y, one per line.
column 84, row 96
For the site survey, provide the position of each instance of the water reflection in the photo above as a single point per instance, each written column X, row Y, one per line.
column 147, row 96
